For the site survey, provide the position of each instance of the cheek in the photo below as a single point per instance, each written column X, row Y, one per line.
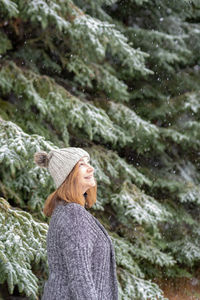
column 81, row 172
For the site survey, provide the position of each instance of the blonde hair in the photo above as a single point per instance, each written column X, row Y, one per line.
column 69, row 191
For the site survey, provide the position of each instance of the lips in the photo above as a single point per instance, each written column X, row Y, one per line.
column 88, row 177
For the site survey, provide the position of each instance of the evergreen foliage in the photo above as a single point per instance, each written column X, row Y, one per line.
column 122, row 81
column 23, row 242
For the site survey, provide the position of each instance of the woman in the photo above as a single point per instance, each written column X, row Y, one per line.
column 80, row 253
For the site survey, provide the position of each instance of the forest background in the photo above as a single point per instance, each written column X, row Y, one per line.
column 120, row 79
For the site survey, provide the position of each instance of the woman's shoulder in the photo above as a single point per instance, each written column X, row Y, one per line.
column 71, row 209
column 71, row 220
column 71, row 215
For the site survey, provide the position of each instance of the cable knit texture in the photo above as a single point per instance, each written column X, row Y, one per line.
column 81, row 257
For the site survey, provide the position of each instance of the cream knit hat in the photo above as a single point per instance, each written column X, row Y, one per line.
column 60, row 162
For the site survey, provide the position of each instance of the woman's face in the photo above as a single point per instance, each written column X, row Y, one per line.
column 85, row 174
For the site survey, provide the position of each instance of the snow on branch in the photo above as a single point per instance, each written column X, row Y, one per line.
column 140, row 207
column 22, row 243
column 9, row 8
column 53, row 100
column 20, row 175
column 139, row 288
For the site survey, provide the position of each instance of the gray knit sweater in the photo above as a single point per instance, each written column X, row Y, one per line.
column 81, row 257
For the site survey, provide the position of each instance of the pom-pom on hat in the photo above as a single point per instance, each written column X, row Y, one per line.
column 60, row 162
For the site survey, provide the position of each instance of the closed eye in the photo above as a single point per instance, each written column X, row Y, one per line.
column 84, row 162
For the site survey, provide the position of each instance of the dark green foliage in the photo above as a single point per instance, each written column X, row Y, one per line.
column 120, row 79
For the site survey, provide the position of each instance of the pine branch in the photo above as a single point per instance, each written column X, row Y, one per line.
column 22, row 243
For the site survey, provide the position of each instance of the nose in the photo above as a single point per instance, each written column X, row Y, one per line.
column 90, row 169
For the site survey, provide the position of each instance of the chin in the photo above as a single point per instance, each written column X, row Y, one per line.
column 89, row 184
column 92, row 185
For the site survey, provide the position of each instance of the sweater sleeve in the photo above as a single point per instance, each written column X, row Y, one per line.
column 77, row 252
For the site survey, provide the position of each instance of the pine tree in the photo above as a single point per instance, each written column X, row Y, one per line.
column 121, row 80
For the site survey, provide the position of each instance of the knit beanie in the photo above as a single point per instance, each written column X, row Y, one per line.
column 60, row 162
